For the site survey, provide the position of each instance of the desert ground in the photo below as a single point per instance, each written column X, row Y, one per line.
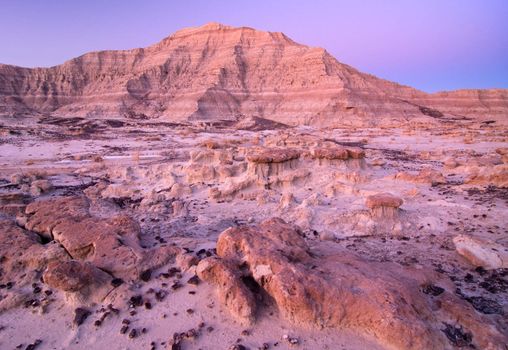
column 130, row 234
column 230, row 188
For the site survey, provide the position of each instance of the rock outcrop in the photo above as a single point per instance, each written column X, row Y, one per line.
column 110, row 244
column 311, row 285
column 216, row 72
column 384, row 205
column 480, row 252
column 82, row 282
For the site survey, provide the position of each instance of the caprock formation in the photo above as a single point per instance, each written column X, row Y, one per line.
column 216, row 72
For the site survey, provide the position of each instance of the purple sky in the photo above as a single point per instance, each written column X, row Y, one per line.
column 430, row 44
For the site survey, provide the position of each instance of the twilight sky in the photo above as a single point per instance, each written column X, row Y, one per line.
column 431, row 44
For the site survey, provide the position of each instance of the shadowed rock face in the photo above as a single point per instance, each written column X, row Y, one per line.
column 217, row 72
column 316, row 287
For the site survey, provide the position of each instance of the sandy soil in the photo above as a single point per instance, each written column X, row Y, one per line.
column 141, row 160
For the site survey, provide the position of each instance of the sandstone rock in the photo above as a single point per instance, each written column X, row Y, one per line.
column 383, row 200
column 502, row 151
column 272, row 155
column 377, row 162
column 330, row 153
column 111, row 244
column 83, row 282
column 286, row 200
column 356, row 152
column 40, row 186
column 265, row 165
column 450, row 163
column 45, row 215
column 233, row 293
column 185, row 261
column 426, row 176
column 22, row 257
column 491, row 175
column 480, row 252
column 316, row 286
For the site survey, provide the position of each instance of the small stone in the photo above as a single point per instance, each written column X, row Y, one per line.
column 160, row 295
column 33, row 345
column 124, row 329
column 190, row 311
column 80, row 315
column 432, row 290
column 191, row 334
column 148, row 305
column 176, row 285
column 133, row 333
column 116, row 282
column 135, row 301
column 290, row 340
column 194, row 280
column 145, row 275
column 237, row 347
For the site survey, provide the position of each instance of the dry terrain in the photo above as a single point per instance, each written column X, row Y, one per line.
column 273, row 200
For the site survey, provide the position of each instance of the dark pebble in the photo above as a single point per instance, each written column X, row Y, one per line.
column 124, row 329
column 33, row 345
column 194, row 280
column 146, row 275
column 133, row 333
column 457, row 336
column 432, row 289
column 116, row 282
column 80, row 315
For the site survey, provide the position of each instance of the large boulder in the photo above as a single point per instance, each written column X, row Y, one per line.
column 44, row 215
column 82, row 282
column 22, row 258
column 111, row 244
column 330, row 287
column 233, row 293
column 480, row 252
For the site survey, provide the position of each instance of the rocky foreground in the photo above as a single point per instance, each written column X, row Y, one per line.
column 128, row 234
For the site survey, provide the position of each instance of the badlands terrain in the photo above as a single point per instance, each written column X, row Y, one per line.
column 229, row 188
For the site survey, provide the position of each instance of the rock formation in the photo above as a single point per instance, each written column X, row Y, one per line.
column 216, row 72
column 310, row 285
